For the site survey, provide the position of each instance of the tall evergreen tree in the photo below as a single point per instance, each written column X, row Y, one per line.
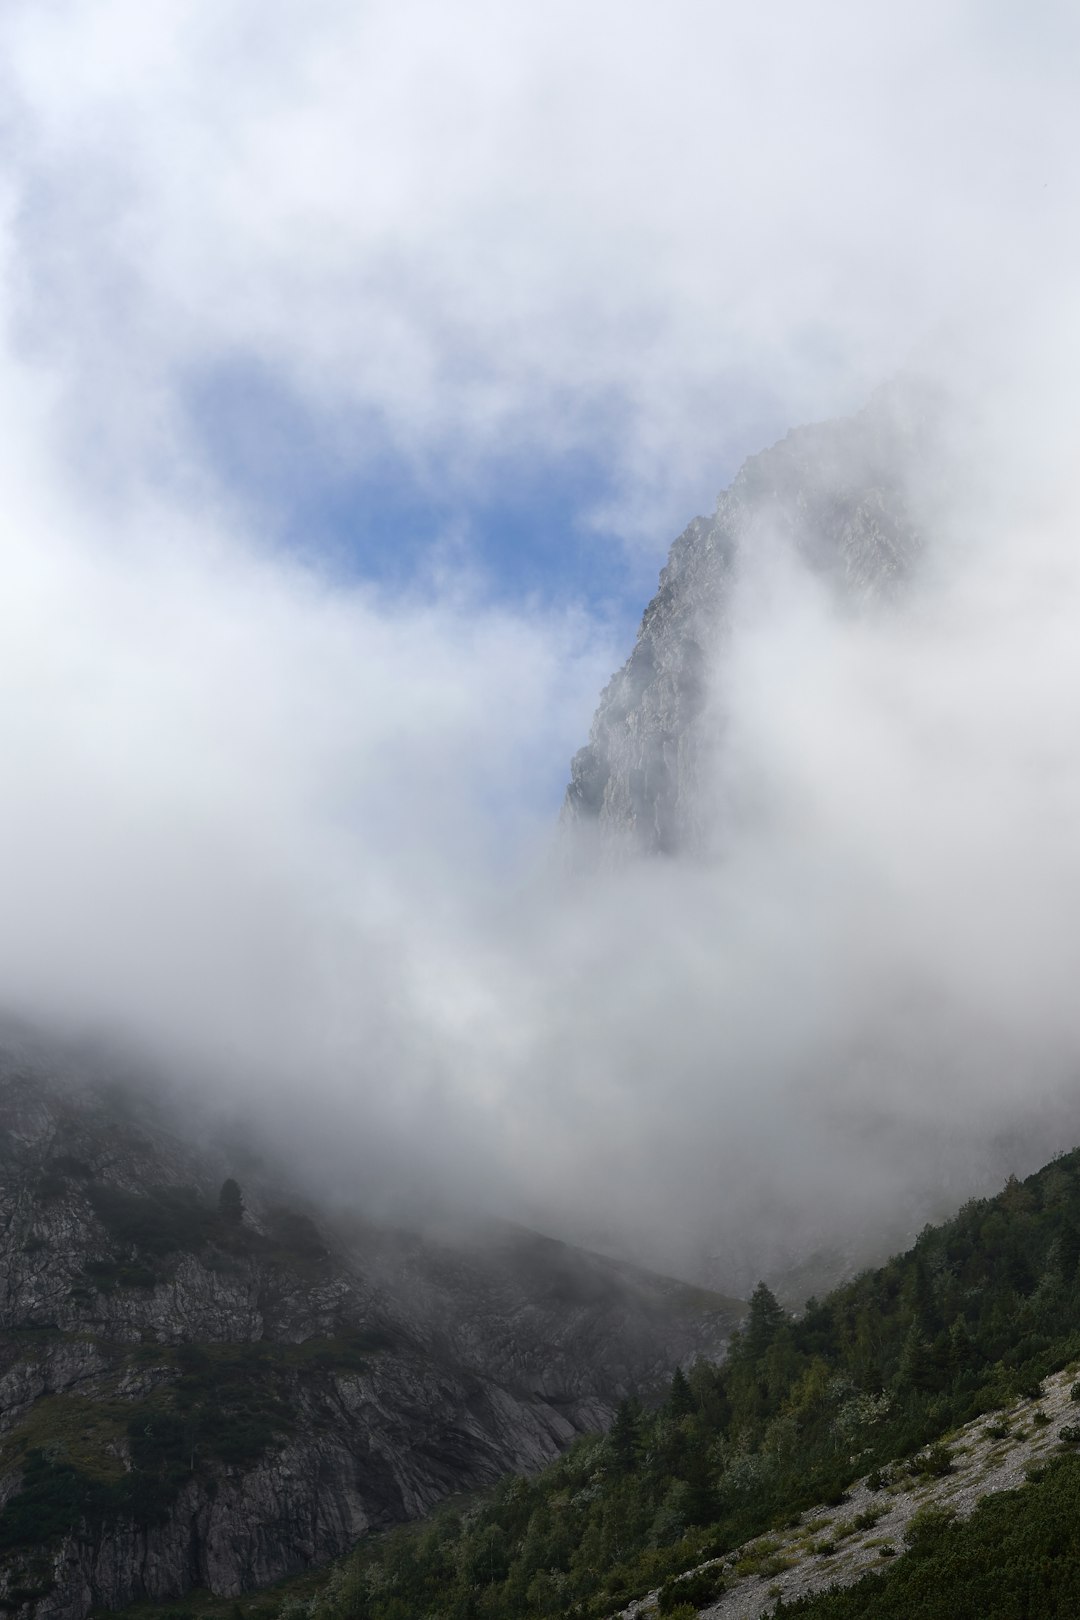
column 766, row 1320
column 914, row 1371
column 231, row 1202
column 1067, row 1251
column 624, row 1437
column 680, row 1401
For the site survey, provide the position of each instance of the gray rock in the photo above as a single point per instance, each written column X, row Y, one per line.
column 400, row 1366
column 846, row 498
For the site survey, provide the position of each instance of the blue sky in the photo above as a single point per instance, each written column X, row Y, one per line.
column 417, row 282
column 524, row 528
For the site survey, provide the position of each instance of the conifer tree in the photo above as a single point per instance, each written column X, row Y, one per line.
column 680, row 1401
column 913, row 1372
column 1067, row 1251
column 765, row 1321
column 231, row 1202
column 961, row 1347
column 625, row 1435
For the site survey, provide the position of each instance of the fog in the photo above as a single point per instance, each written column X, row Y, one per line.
column 294, row 833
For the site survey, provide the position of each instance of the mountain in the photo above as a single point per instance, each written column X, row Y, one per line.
column 929, row 1405
column 846, row 499
column 207, row 1382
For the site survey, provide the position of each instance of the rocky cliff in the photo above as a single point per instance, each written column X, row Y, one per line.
column 846, row 500
column 197, row 1391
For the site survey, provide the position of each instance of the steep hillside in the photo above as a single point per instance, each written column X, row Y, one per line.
column 207, row 1384
column 929, row 1382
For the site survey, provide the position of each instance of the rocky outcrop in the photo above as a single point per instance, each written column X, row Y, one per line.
column 188, row 1399
column 842, row 499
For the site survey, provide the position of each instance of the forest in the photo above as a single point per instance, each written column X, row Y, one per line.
column 977, row 1312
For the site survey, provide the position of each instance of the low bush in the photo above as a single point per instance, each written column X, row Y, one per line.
column 697, row 1590
column 935, row 1462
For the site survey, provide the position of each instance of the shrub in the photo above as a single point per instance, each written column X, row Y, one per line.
column 159, row 1222
column 776, row 1565
column 935, row 1462
column 695, row 1591
column 105, row 1275
column 927, row 1526
column 297, row 1234
column 54, row 1499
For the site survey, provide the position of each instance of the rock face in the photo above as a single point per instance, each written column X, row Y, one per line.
column 192, row 1399
column 838, row 496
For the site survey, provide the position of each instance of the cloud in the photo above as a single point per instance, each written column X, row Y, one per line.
column 289, row 830
column 241, row 794
column 658, row 232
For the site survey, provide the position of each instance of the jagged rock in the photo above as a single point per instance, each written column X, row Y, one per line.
column 840, row 497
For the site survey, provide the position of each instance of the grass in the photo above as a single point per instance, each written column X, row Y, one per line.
column 84, row 1433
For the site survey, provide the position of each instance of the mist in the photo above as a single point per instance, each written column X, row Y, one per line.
column 293, row 832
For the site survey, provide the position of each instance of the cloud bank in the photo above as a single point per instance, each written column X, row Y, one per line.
column 653, row 231
column 290, row 831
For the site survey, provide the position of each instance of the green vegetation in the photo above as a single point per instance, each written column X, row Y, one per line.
column 85, row 1433
column 95, row 1460
column 157, row 1223
column 973, row 1318
column 702, row 1587
column 231, row 1202
column 148, row 1230
column 291, row 1594
column 1018, row 1556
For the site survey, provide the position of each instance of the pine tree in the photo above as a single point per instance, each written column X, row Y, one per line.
column 961, row 1346
column 231, row 1203
column 914, row 1370
column 920, row 1296
column 680, row 1402
column 1067, row 1251
column 766, row 1320
column 624, row 1437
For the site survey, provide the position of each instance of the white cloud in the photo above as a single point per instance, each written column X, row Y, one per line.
column 282, row 828
column 641, row 228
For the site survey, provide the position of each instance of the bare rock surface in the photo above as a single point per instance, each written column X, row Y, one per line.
column 279, row 1384
column 838, row 497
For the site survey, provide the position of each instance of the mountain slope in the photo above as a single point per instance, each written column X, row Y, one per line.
column 194, row 1394
column 860, row 1403
column 919, row 1503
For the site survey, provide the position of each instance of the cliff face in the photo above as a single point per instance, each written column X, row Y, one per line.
column 188, row 1399
column 837, row 496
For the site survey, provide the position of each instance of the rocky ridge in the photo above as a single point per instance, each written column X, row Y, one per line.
column 840, row 498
